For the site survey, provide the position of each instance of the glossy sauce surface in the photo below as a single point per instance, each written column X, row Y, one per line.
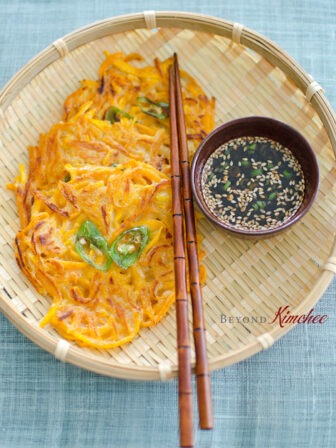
column 253, row 183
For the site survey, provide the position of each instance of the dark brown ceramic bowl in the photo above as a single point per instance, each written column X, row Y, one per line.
column 257, row 127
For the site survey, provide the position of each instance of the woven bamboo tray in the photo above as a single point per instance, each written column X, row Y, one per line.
column 249, row 75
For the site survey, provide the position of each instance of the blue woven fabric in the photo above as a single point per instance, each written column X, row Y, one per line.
column 282, row 397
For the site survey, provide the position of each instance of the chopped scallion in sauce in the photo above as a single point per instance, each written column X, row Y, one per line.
column 253, row 183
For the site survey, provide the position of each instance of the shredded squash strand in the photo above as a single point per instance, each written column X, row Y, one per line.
column 111, row 169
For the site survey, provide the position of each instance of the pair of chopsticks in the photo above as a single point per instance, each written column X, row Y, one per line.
column 183, row 216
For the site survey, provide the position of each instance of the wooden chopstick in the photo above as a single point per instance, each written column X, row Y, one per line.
column 204, row 399
column 182, row 200
column 202, row 370
column 181, row 293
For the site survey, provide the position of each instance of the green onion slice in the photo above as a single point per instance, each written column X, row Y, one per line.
column 158, row 110
column 113, row 114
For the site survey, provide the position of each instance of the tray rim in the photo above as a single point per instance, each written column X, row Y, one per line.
column 200, row 23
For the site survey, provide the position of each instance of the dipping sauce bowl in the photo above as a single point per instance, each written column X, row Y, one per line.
column 254, row 176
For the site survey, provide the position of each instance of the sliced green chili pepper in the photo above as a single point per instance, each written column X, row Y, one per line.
column 158, row 110
column 88, row 235
column 128, row 246
column 113, row 114
column 67, row 178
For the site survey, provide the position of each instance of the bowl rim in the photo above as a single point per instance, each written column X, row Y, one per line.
column 257, row 119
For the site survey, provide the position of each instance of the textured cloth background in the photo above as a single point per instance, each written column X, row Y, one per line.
column 283, row 397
